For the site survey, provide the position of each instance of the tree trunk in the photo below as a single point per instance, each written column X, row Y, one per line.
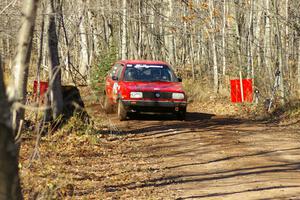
column 84, row 50
column 280, row 55
column 67, row 71
column 40, row 57
column 224, row 38
column 214, row 49
column 124, row 31
column 238, row 37
column 9, row 174
column 94, row 42
column 298, row 64
column 250, row 69
column 56, row 98
column 288, row 72
column 169, row 36
column 267, row 43
column 18, row 86
column 257, row 35
column 192, row 59
column 140, row 31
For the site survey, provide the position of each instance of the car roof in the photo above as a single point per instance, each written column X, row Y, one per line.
column 143, row 62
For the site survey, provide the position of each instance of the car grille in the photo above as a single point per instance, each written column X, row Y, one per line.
column 157, row 95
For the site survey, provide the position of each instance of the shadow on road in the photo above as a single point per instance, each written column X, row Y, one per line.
column 191, row 116
column 168, row 124
column 207, row 149
column 218, row 176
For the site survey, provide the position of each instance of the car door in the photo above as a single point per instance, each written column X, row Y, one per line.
column 109, row 83
column 116, row 86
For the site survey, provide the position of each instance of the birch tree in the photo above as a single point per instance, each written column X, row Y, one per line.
column 267, row 42
column 224, row 37
column 213, row 44
column 210, row 37
column 124, row 30
column 84, row 52
column 298, row 65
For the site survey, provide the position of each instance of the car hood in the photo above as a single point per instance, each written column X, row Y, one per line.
column 155, row 86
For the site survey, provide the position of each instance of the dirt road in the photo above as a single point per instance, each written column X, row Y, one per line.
column 210, row 157
column 158, row 157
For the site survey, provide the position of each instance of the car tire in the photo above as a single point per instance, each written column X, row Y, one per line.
column 181, row 114
column 108, row 107
column 121, row 111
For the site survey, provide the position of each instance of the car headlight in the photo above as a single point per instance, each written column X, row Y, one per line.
column 136, row 95
column 177, row 96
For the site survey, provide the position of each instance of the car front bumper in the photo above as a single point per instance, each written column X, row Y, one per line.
column 154, row 106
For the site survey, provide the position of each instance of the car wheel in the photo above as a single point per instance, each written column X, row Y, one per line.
column 122, row 112
column 108, row 107
column 181, row 114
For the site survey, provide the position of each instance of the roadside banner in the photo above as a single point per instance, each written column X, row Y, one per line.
column 241, row 90
column 42, row 90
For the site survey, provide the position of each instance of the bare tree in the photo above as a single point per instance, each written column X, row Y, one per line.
column 84, row 48
column 201, row 38
column 214, row 49
column 56, row 98
column 224, row 37
column 9, row 176
column 18, row 87
column 124, row 30
column 267, row 41
column 9, row 182
column 298, row 64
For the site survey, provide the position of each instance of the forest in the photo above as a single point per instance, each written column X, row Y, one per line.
column 207, row 42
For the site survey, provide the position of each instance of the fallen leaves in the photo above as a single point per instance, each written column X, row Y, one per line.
column 76, row 165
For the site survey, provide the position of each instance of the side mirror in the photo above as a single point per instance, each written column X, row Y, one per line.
column 179, row 79
column 114, row 78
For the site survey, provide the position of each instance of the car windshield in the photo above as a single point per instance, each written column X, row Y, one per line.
column 149, row 73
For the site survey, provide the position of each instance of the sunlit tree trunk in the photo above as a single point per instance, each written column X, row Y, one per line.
column 224, row 37
column 84, row 49
column 257, row 35
column 169, row 33
column 267, row 42
column 280, row 53
column 286, row 40
column 298, row 65
column 67, row 61
column 250, row 69
column 192, row 59
column 214, row 50
column 9, row 174
column 18, row 86
column 140, row 30
column 94, row 41
column 238, row 36
column 124, row 30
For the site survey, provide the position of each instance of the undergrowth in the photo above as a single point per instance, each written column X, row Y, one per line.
column 104, row 63
column 288, row 114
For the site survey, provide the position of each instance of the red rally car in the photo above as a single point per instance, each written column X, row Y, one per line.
column 144, row 86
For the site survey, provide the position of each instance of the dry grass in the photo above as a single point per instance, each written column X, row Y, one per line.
column 290, row 113
column 202, row 99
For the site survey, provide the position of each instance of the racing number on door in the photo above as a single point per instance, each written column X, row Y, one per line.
column 116, row 86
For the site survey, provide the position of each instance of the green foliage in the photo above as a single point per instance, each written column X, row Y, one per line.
column 104, row 63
